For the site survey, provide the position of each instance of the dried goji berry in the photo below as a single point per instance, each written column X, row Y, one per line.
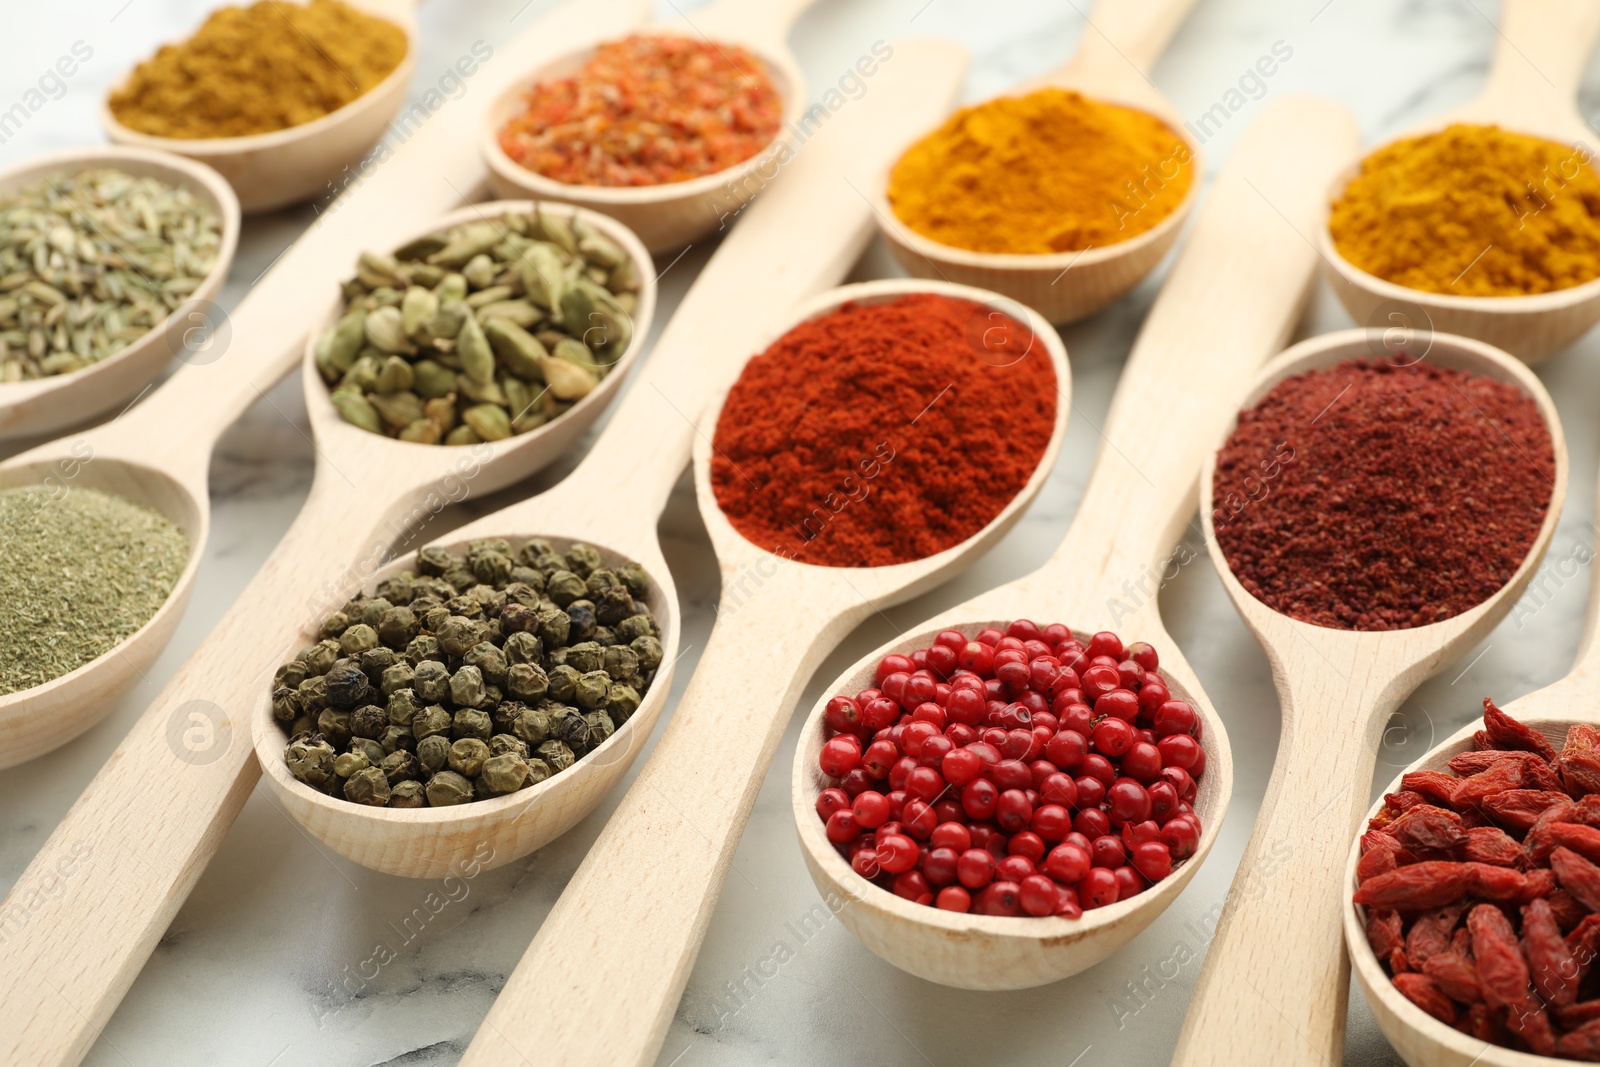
column 1504, row 774
column 1568, row 912
column 1492, row 845
column 1435, row 785
column 1532, row 1023
column 1466, row 764
column 1537, row 774
column 1583, row 942
column 1502, row 972
column 1578, row 876
column 1577, row 1014
column 1378, row 861
column 1582, row 1043
column 1550, row 964
column 1430, row 934
column 1455, row 975
column 1430, row 884
column 1517, row 809
column 1383, row 931
column 1503, row 884
column 1537, row 844
column 1507, row 732
column 1424, row 993
column 1579, row 759
column 1584, row 840
column 1426, row 828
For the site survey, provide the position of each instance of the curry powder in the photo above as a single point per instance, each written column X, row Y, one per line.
column 1473, row 211
column 261, row 68
column 1052, row 171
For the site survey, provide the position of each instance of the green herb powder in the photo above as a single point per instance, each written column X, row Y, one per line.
column 79, row 572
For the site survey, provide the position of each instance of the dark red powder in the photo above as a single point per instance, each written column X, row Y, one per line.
column 884, row 433
column 1371, row 496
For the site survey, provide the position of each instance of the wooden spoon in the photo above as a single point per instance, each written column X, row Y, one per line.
column 1422, row 1040
column 1233, row 296
column 273, row 170
column 46, row 405
column 591, row 945
column 668, row 217
column 1539, row 60
column 1121, row 42
column 158, row 453
column 63, row 974
column 624, row 934
column 1276, row 969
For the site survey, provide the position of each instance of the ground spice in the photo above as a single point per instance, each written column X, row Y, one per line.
column 1371, row 496
column 79, row 571
column 883, row 433
column 256, row 69
column 648, row 110
column 1481, row 891
column 1052, row 171
column 1473, row 211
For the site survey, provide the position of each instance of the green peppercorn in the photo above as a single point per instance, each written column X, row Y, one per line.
column 447, row 788
column 538, row 771
column 557, row 755
column 490, row 661
column 504, row 774
column 397, row 739
column 400, row 766
column 533, row 726
column 621, row 663
column 310, row 759
column 590, row 691
column 583, row 621
column 467, row 688
column 431, row 681
column 433, row 752
column 333, row 624
column 634, row 579
column 395, row 678
column 564, row 587
column 649, row 651
column 430, row 721
column 423, row 647
column 334, row 725
column 468, row 755
column 458, row 634
column 563, row 683
column 285, row 704
column 369, row 786
column 397, row 627
column 503, row 744
column 358, row 639
column 472, row 722
column 600, row 728
column 407, row 794
column 585, row 656
column 583, row 559
column 634, row 627
column 621, row 702
column 375, row 661
column 551, row 626
column 346, row 685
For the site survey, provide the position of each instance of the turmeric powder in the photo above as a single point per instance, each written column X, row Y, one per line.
column 261, row 68
column 1473, row 211
column 1053, row 171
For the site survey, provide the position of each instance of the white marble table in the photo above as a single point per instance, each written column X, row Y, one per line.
column 266, row 963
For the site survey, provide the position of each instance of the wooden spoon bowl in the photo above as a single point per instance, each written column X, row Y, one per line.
column 1121, row 41
column 430, row 842
column 1533, row 81
column 990, row 952
column 669, row 216
column 1277, row 950
column 46, row 405
column 274, row 170
column 168, row 471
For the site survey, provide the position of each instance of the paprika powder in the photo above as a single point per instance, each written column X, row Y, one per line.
column 1378, row 495
column 884, row 433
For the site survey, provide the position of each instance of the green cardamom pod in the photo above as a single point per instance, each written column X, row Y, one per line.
column 452, row 287
column 422, row 432
column 441, row 410
column 567, row 380
column 446, row 323
column 480, row 271
column 492, row 295
column 355, row 410
column 340, row 343
column 543, row 271
column 397, row 409
column 528, row 421
column 518, row 396
column 395, row 375
column 417, row 309
column 462, row 435
column 480, row 392
column 576, row 353
column 518, row 349
column 432, row 379
column 477, row 358
column 386, row 331
column 422, row 247
column 488, row 421
column 557, row 229
column 362, row 375
column 377, row 270
column 466, row 241
column 521, row 312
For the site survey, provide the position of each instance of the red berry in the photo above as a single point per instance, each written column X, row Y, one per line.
column 894, row 686
column 1018, row 744
column 865, row 863
column 1038, row 895
column 1091, row 791
column 954, row 898
column 1128, row 800
column 1100, row 680
column 1051, row 822
column 1023, row 629
column 1067, row 905
column 1054, row 634
column 1075, row 715
column 942, row 661
column 999, row 898
column 1137, row 833
column 933, row 751
column 897, row 803
column 840, row 755
column 1042, row 672
column 830, row 801
column 871, row 810
column 1152, row 860
column 1178, row 750
column 977, row 657
column 960, row 766
column 1181, row 836
column 1011, row 774
column 975, row 868
column 892, row 664
column 1027, row 843
column 924, row 783
column 1059, row 789
column 948, row 807
column 987, row 753
column 965, row 706
column 1121, row 703
column 897, row 853
column 954, row 640
column 1152, row 695
column 1163, row 801
column 842, row 826
column 1108, row 851
column 1129, row 882
column 1011, row 669
column 842, row 714
column 879, row 712
column 1013, row 868
column 1038, row 771
column 919, row 818
column 1098, row 888
column 960, row 734
column 1180, row 781
column 1113, row 737
column 913, row 887
column 921, row 689
column 979, row 798
column 855, row 782
column 1097, row 766
column 879, row 758
column 1105, row 643
column 1143, row 654
column 1068, row 862
column 1131, row 674
column 951, row 835
column 990, row 636
column 1092, row 823
column 916, row 732
column 1175, row 717
column 1012, row 810
column 1142, row 762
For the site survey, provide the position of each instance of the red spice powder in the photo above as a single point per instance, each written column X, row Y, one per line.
column 1371, row 496
column 884, row 433
column 648, row 110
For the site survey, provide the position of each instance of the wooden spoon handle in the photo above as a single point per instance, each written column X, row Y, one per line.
column 128, row 852
column 1541, row 52
column 764, row 22
column 623, row 937
column 1275, row 980
column 1231, row 301
column 1124, row 37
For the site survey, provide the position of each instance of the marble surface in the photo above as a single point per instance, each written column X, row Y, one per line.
column 265, row 965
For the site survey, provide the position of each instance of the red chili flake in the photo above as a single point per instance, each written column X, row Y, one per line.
column 1430, row 884
column 1492, row 845
column 1424, row 993
column 1507, row 732
column 648, row 110
column 1377, row 496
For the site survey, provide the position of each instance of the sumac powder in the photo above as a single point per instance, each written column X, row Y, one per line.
column 1379, row 496
column 883, row 433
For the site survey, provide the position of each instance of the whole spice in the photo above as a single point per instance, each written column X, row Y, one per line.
column 1381, row 496
column 1473, row 211
column 647, row 110
column 1049, row 172
column 80, row 571
column 91, row 262
column 256, row 69
column 475, row 675
column 1016, row 772
column 481, row 332
column 1493, row 930
column 936, row 410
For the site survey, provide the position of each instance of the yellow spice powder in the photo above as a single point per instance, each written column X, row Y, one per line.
column 1473, row 211
column 1052, row 171
column 261, row 68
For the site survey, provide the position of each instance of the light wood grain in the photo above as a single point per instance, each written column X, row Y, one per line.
column 1540, row 54
column 1421, row 1040
column 1276, row 970
column 668, row 217
column 284, row 167
column 63, row 971
column 47, row 405
column 1234, row 295
column 1120, row 43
